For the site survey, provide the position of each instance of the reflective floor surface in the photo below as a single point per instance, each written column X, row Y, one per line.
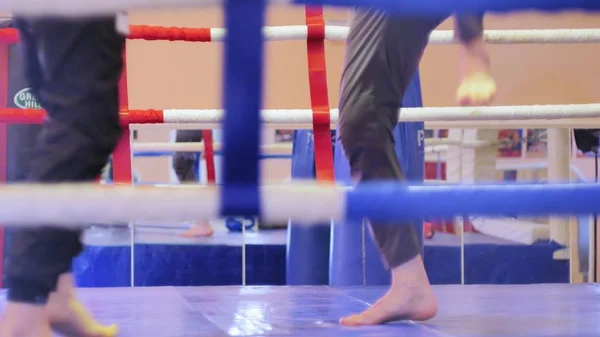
column 150, row 233
column 482, row 311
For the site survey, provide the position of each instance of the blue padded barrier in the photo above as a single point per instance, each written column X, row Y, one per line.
column 307, row 255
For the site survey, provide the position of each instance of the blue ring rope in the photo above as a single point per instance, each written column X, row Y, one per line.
column 446, row 7
column 385, row 201
column 243, row 83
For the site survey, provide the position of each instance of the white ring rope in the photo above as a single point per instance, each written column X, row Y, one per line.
column 199, row 147
column 526, row 36
column 283, row 149
column 464, row 143
column 436, row 148
column 540, row 116
column 436, row 182
column 75, row 205
column 444, row 148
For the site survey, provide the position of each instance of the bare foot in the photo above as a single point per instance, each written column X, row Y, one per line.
column 477, row 86
column 410, row 298
column 24, row 320
column 199, row 229
column 70, row 318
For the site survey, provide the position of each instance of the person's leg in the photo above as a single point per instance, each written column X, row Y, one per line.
column 383, row 54
column 184, row 165
column 477, row 86
column 73, row 68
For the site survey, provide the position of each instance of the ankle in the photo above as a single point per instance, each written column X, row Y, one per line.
column 66, row 284
column 410, row 273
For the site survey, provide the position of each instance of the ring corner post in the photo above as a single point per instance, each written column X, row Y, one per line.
column 242, row 102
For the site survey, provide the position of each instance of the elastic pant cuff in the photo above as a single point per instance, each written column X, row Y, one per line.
column 398, row 244
column 23, row 292
column 394, row 260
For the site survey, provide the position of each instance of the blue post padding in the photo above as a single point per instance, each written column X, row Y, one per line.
column 242, row 92
column 346, row 265
column 349, row 264
column 307, row 255
column 410, row 146
column 197, row 167
column 387, row 201
column 446, row 7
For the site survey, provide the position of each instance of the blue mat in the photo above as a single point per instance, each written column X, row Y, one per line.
column 465, row 311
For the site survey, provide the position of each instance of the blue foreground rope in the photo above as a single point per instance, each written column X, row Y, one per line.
column 447, row 7
column 243, row 81
column 396, row 201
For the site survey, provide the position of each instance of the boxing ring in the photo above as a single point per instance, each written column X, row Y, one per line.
column 474, row 310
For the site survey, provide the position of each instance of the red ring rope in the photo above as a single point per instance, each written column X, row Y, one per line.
column 317, row 77
column 149, row 33
column 209, row 156
column 169, row 33
column 121, row 165
column 37, row 116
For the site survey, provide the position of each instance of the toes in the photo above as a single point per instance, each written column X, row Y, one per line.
column 354, row 320
column 107, row 331
column 194, row 234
